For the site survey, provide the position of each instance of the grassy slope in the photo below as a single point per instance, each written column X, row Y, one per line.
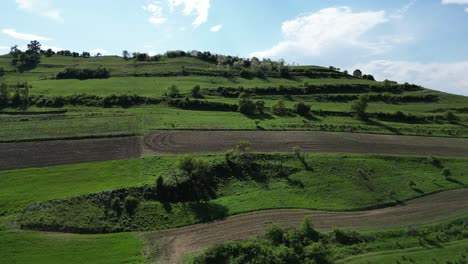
column 19, row 188
column 337, row 182
column 23, row 247
column 101, row 122
column 448, row 253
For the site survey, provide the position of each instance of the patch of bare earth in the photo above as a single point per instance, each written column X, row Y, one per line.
column 58, row 152
column 173, row 244
column 311, row 141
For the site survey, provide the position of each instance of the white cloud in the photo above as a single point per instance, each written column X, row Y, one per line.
column 4, row 47
column 198, row 7
column 156, row 11
column 448, row 77
column 96, row 51
column 41, row 7
column 400, row 13
column 458, row 2
column 329, row 30
column 466, row 9
column 23, row 36
column 54, row 48
column 216, row 28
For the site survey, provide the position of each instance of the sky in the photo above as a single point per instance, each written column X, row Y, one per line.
column 417, row 41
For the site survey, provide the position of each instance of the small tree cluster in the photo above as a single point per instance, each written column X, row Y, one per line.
column 359, row 107
column 279, row 108
column 196, row 169
column 302, row 109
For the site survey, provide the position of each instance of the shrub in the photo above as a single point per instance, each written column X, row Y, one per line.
column 83, row 74
column 279, row 108
column 173, row 91
column 260, row 105
column 301, row 109
column 275, row 234
column 2, row 71
column 246, row 74
column 131, row 204
column 116, row 205
column 359, row 106
column 196, row 91
column 446, row 173
column 195, row 168
column 247, row 106
column 347, row 237
column 243, row 146
column 450, row 116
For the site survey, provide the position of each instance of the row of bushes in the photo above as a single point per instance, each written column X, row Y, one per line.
column 83, row 74
column 93, row 100
column 311, row 89
column 385, row 97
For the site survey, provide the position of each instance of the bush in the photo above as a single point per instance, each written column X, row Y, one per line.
column 243, row 146
column 196, row 169
column 246, row 74
column 275, row 234
column 359, row 107
column 2, row 71
column 301, row 109
column 446, row 173
column 131, row 204
column 83, row 74
column 173, row 91
column 196, row 91
column 247, row 106
column 279, row 108
column 116, row 205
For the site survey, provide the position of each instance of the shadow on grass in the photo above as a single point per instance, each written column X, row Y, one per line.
column 260, row 116
column 389, row 128
column 452, row 180
column 208, row 211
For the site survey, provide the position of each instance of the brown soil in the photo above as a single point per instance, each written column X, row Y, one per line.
column 178, row 242
column 310, row 141
column 58, row 152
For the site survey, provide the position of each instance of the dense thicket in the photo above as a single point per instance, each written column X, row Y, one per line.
column 83, row 74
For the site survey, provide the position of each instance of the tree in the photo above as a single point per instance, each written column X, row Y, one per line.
column 196, row 91
column 196, row 169
column 359, row 107
column 34, row 47
column 2, row 71
column 357, row 73
column 3, row 95
column 275, row 234
column 49, row 53
column 279, row 108
column 302, row 109
column 247, row 106
column 125, row 55
column 173, row 91
column 260, row 105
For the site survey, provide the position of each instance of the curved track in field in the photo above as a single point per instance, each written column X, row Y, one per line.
column 310, row 141
column 179, row 242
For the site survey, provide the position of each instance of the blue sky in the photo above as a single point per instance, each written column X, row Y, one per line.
column 420, row 41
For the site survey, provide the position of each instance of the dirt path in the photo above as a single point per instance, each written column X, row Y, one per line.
column 311, row 141
column 59, row 152
column 178, row 242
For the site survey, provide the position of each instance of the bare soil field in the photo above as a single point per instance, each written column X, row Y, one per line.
column 59, row 152
column 310, row 141
column 178, row 242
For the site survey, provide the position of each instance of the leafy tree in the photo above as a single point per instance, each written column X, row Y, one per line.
column 307, row 230
column 49, row 53
column 131, row 204
column 34, row 47
column 346, row 72
column 173, row 91
column 196, row 91
column 2, row 71
column 85, row 54
column 275, row 234
column 125, row 55
column 24, row 61
column 279, row 108
column 260, row 105
column 359, row 107
column 247, row 106
column 246, row 74
column 196, row 169
column 3, row 95
column 357, row 73
column 450, row 116
column 302, row 109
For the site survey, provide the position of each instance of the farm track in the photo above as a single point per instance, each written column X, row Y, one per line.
column 59, row 152
column 179, row 242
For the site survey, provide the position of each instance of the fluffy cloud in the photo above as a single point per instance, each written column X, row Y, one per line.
column 327, row 30
column 156, row 11
column 216, row 28
column 448, row 77
column 23, row 36
column 198, row 7
column 458, row 2
column 41, row 7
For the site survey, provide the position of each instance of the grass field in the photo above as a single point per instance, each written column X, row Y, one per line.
column 80, row 121
column 24, row 247
column 336, row 182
